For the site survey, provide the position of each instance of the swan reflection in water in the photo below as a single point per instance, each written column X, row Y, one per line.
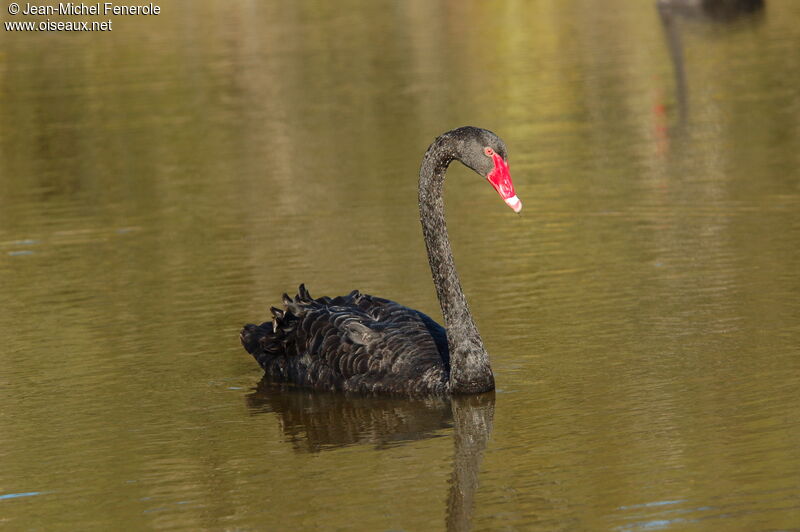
column 314, row 422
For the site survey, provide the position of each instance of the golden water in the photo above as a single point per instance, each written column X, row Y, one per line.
column 164, row 183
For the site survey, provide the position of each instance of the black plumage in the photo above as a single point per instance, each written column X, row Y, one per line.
column 366, row 344
column 354, row 343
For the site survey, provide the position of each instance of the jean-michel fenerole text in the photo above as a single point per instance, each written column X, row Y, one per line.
column 100, row 8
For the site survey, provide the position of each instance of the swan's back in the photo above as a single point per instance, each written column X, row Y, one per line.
column 353, row 343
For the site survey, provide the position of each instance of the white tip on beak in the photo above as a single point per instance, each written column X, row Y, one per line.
column 514, row 202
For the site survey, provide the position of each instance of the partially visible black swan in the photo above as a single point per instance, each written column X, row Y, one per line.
column 711, row 9
column 361, row 343
column 716, row 11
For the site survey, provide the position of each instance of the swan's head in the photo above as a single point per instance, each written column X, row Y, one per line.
column 485, row 152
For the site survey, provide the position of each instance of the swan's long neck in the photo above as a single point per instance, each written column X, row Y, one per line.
column 469, row 363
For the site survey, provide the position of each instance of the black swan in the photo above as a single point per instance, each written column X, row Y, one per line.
column 360, row 343
column 712, row 9
column 715, row 11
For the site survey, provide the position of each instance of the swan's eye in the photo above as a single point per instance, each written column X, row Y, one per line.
column 488, row 151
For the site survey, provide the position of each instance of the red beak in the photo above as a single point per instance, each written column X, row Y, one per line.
column 500, row 179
